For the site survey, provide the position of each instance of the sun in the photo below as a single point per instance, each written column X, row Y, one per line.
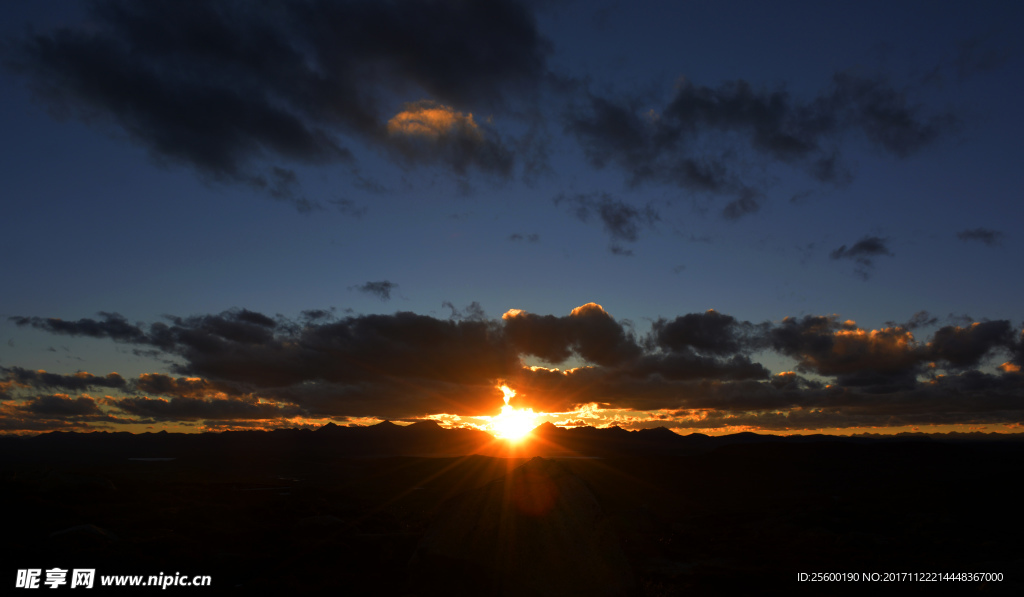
column 513, row 424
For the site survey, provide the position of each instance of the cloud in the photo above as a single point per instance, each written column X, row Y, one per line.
column 473, row 311
column 113, row 326
column 621, row 221
column 740, row 207
column 989, row 237
column 192, row 409
column 885, row 115
column 863, row 252
column 692, row 141
column 426, row 131
column 588, row 331
column 361, row 353
column 283, row 185
column 242, row 366
column 430, row 120
column 710, row 332
column 77, row 382
column 184, row 387
column 349, row 208
column 61, row 405
column 237, row 91
column 517, row 236
column 40, row 413
column 979, row 54
column 963, row 347
column 919, row 320
column 826, row 346
column 381, row 289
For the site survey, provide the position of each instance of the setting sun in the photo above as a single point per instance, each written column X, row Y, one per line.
column 513, row 424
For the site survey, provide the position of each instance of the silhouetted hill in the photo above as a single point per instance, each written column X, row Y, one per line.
column 428, row 438
column 361, row 511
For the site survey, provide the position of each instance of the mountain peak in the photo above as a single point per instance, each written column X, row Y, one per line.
column 546, row 427
column 426, row 424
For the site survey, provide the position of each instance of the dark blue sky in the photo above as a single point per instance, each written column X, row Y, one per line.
column 823, row 162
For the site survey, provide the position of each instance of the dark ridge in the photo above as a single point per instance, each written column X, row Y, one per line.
column 428, row 438
column 361, row 511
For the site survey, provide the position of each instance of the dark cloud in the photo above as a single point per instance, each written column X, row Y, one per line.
column 344, row 367
column 244, row 366
column 982, row 235
column 613, row 133
column 247, row 316
column 282, row 184
column 368, row 184
column 192, row 409
column 235, row 89
column 979, row 54
column 863, row 252
column 885, row 115
column 788, row 401
column 78, row 382
column 53, row 412
column 621, row 221
column 682, row 143
column 183, row 387
column 710, row 332
column 473, row 311
column 962, row 347
column 826, row 346
column 113, row 326
column 349, row 207
column 686, row 365
column 588, row 331
column 1018, row 349
column 381, row 289
column 919, row 320
column 516, row 236
column 61, row 405
column 744, row 205
column 698, row 346
column 889, row 357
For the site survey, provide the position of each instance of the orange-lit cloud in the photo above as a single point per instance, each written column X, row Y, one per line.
column 589, row 309
column 887, row 349
column 428, row 132
column 432, row 120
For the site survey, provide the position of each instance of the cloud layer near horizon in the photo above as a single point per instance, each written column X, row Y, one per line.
column 696, row 370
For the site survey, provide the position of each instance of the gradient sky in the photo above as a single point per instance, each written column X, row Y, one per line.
column 284, row 213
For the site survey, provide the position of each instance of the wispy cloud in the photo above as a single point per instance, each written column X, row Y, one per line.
column 381, row 289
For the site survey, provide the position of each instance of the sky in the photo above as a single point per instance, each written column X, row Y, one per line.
column 786, row 217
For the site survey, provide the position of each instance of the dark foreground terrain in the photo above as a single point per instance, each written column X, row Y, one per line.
column 732, row 518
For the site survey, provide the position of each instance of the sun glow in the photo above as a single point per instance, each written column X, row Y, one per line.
column 513, row 424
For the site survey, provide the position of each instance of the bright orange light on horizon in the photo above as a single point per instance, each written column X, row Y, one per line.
column 513, row 424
